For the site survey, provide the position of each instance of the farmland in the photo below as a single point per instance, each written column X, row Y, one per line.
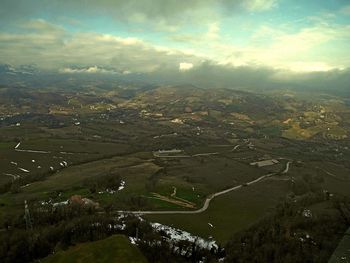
column 170, row 149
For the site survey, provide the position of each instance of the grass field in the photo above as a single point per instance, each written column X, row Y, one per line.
column 72, row 180
column 230, row 213
column 116, row 248
column 194, row 178
column 51, row 153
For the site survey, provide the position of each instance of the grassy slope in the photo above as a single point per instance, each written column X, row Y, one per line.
column 342, row 252
column 113, row 249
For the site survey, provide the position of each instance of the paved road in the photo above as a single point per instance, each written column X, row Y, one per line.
column 31, row 151
column 184, row 156
column 206, row 203
column 287, row 168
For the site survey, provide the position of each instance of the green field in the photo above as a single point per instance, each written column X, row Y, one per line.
column 116, row 248
column 230, row 213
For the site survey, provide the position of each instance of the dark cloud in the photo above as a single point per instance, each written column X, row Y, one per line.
column 212, row 75
column 168, row 12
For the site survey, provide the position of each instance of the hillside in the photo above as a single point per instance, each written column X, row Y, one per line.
column 116, row 248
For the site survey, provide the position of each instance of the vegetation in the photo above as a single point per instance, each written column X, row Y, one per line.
column 116, row 248
column 292, row 235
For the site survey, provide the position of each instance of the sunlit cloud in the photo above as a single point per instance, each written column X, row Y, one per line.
column 183, row 66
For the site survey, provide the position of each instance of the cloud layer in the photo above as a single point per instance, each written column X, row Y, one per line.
column 208, row 42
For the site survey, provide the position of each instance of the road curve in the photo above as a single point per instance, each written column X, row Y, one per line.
column 206, row 203
column 287, row 168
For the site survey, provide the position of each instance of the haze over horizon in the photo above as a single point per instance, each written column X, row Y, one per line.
column 276, row 40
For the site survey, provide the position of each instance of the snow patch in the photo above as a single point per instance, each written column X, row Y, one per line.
column 60, row 203
column 177, row 235
column 122, row 185
column 64, row 164
column 133, row 240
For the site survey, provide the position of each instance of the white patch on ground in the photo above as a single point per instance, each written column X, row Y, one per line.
column 60, row 203
column 14, row 163
column 46, row 202
column 111, row 191
column 307, row 213
column 176, row 235
column 24, row 170
column 117, row 226
column 18, row 144
column 211, row 225
column 133, row 240
column 122, row 185
column 178, row 121
column 64, row 164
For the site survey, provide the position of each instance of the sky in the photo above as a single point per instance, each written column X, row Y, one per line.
column 282, row 37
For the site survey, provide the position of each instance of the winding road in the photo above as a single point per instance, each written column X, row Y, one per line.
column 287, row 168
column 206, row 203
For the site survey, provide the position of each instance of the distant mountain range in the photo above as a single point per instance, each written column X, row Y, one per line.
column 68, row 78
column 6, row 69
column 76, row 77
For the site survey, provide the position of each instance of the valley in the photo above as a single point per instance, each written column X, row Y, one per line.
column 223, row 140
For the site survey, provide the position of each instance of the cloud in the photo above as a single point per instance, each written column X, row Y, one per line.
column 213, row 31
column 162, row 15
column 42, row 26
column 260, row 5
column 212, row 34
column 345, row 10
column 209, row 74
column 51, row 46
column 314, row 48
column 89, row 52
column 183, row 66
